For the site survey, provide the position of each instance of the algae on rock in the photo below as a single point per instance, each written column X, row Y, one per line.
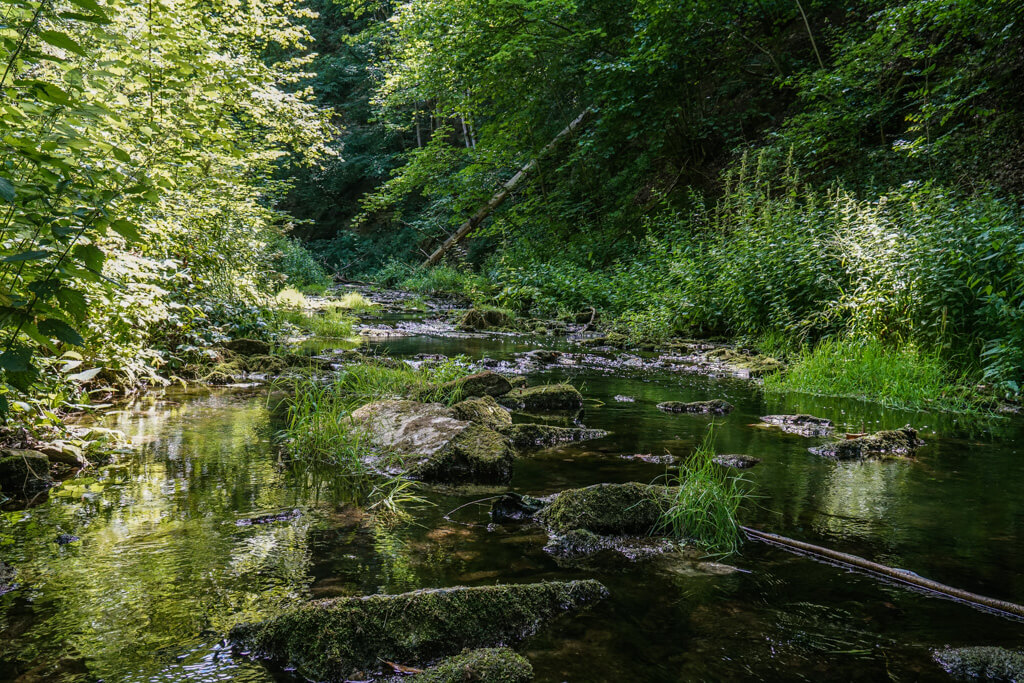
column 487, row 665
column 347, row 638
column 612, row 509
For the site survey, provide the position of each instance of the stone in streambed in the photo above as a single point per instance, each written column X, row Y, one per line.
column 552, row 397
column 896, row 443
column 631, row 509
column 486, row 383
column 804, row 425
column 714, row 407
column 347, row 638
column 24, row 472
column 477, row 454
column 483, row 410
column 528, row 437
column 739, row 462
column 982, row 663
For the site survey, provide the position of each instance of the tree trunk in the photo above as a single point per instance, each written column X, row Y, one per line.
column 502, row 194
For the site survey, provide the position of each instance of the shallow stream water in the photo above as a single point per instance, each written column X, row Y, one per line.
column 165, row 561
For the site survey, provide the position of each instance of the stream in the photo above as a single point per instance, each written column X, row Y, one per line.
column 165, row 559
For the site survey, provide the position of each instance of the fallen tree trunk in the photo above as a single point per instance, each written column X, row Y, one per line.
column 901, row 575
column 502, row 194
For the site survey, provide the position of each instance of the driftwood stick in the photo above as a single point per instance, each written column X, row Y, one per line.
column 901, row 575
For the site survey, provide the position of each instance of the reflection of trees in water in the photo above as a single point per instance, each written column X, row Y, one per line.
column 860, row 499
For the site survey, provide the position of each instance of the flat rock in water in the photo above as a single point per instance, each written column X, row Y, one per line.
column 982, row 663
column 409, row 426
column 713, row 407
column 739, row 462
column 896, row 443
column 553, row 397
column 624, row 399
column 804, row 425
column 351, row 638
column 533, row 436
column 652, row 459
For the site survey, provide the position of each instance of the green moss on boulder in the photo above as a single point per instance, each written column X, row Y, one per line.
column 488, row 665
column 349, row 638
column 24, row 472
column 486, row 318
column 889, row 443
column 552, row 397
column 247, row 347
column 477, row 454
column 483, row 410
column 982, row 663
column 631, row 509
column 714, row 407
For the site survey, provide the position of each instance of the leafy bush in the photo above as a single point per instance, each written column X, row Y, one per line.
column 299, row 267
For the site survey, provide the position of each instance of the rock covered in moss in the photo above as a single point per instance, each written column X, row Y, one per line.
column 739, row 462
column 745, row 364
column 804, row 425
column 714, row 407
column 430, row 442
column 533, row 436
column 896, row 443
column 487, row 665
column 23, row 472
column 347, row 638
column 477, row 454
column 483, row 410
column 982, row 663
column 611, row 509
column 485, row 319
column 247, row 347
column 518, row 381
column 552, row 397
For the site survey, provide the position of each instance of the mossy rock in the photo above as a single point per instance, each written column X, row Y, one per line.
column 552, row 397
column 348, row 638
column 982, row 663
column 477, row 454
column 486, row 383
column 614, row 340
column 24, row 472
column 714, row 407
column 483, row 410
column 487, row 665
column 802, row 424
column 527, row 437
column 631, row 509
column 247, row 347
column 518, row 381
column 739, row 462
column 748, row 364
column 485, row 319
column 888, row 443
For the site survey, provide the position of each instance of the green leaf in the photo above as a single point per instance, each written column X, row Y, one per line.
column 85, row 375
column 7, row 190
column 61, row 330
column 63, row 41
column 89, row 6
column 26, row 256
column 18, row 359
column 73, row 302
column 91, row 255
column 126, row 230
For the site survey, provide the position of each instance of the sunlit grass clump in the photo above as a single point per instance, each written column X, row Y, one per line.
column 355, row 301
column 705, row 500
column 899, row 377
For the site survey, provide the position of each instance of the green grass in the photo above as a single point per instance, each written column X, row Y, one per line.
column 354, row 301
column 903, row 377
column 707, row 498
column 327, row 324
column 447, row 280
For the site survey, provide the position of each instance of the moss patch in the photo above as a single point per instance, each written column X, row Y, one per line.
column 486, row 318
column 489, row 665
column 553, row 397
column 631, row 509
column 348, row 638
column 984, row 663
column 484, row 410
column 749, row 364
column 477, row 454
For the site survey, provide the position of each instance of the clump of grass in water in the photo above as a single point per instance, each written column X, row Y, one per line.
column 354, row 301
column 705, row 500
column 901, row 377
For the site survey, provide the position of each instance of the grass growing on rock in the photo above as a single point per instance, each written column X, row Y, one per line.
column 704, row 501
column 899, row 378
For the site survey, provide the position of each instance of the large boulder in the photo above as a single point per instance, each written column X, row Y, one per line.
column 486, row 383
column 483, row 410
column 526, row 437
column 349, row 638
column 24, row 472
column 548, row 398
column 714, row 407
column 982, row 663
column 632, row 509
column 487, row 665
column 890, row 443
column 430, row 442
column 804, row 425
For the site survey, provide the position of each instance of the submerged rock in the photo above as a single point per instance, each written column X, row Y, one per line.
column 739, row 462
column 984, row 663
column 897, row 442
column 487, row 665
column 552, row 397
column 430, row 442
column 345, row 638
column 24, row 472
column 804, row 425
column 513, row 507
column 484, row 410
column 714, row 407
column 270, row 518
column 534, row 436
